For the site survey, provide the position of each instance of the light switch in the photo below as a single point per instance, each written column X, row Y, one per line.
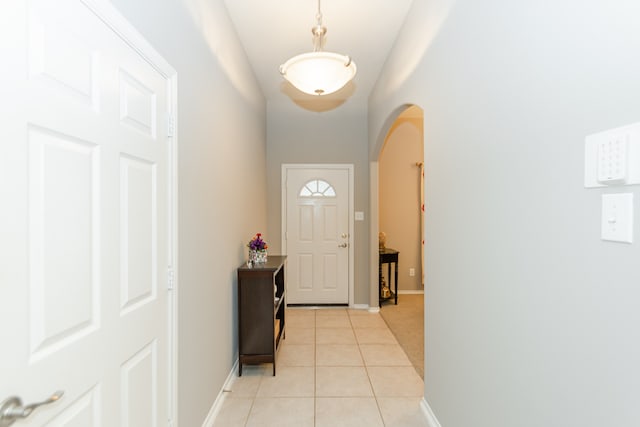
column 359, row 216
column 617, row 217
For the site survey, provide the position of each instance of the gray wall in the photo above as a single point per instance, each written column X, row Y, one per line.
column 531, row 320
column 296, row 135
column 222, row 190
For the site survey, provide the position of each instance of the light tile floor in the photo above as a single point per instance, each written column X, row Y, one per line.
column 336, row 367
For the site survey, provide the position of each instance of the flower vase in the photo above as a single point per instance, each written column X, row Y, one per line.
column 261, row 256
column 257, row 256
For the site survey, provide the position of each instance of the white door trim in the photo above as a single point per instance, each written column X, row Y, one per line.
column 123, row 28
column 283, row 226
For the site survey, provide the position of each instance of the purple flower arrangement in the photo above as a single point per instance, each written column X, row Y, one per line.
column 257, row 244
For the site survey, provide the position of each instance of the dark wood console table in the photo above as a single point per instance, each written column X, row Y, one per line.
column 261, row 310
column 388, row 256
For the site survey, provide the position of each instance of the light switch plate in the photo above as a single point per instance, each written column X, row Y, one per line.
column 359, row 216
column 617, row 217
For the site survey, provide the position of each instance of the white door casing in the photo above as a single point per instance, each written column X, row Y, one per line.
column 87, row 175
column 317, row 233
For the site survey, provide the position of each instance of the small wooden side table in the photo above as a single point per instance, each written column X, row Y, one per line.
column 388, row 256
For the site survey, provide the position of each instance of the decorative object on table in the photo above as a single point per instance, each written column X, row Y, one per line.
column 382, row 240
column 385, row 291
column 257, row 250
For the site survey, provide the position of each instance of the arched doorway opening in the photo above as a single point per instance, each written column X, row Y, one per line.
column 397, row 194
column 400, row 190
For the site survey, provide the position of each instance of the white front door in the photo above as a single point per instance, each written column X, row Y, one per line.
column 317, row 234
column 85, row 220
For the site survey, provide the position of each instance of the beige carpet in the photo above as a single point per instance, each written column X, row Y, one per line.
column 406, row 321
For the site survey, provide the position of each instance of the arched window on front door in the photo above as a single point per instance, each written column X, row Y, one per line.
column 317, row 188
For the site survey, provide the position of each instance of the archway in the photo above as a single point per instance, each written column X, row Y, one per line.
column 414, row 113
column 397, row 195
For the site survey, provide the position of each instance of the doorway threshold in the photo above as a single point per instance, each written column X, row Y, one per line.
column 316, row 306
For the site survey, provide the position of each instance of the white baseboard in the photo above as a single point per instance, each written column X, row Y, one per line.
column 411, row 292
column 432, row 421
column 217, row 404
column 365, row 307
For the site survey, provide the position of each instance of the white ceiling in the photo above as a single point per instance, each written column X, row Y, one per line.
column 272, row 31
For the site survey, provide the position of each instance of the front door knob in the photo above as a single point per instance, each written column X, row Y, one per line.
column 11, row 409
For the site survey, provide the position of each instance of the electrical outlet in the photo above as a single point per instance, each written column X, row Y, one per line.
column 412, row 272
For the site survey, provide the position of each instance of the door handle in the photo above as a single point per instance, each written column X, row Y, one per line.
column 344, row 245
column 11, row 409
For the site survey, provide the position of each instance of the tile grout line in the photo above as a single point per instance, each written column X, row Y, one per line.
column 315, row 368
column 366, row 367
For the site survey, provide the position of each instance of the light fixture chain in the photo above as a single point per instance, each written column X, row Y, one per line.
column 318, row 32
column 319, row 15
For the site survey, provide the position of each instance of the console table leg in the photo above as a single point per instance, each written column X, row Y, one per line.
column 379, row 284
column 396, row 282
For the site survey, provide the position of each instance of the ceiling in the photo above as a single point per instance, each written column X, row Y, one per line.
column 272, row 31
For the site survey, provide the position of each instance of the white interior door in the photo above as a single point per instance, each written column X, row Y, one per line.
column 317, row 234
column 85, row 246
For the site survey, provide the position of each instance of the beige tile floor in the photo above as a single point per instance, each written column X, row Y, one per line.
column 336, row 367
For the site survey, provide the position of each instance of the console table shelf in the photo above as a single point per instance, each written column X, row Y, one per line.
column 261, row 311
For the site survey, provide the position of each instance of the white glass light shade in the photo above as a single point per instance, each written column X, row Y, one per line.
column 319, row 73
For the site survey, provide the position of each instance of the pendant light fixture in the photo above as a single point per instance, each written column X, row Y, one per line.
column 319, row 72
